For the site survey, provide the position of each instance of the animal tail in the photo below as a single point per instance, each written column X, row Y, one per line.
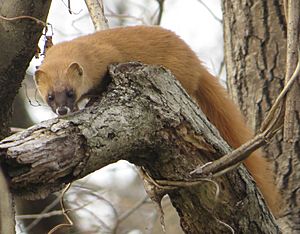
column 225, row 115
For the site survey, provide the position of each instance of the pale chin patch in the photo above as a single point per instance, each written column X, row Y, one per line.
column 68, row 110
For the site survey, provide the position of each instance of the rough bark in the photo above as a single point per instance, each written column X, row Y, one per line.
column 291, row 131
column 145, row 117
column 255, row 55
column 255, row 52
column 18, row 40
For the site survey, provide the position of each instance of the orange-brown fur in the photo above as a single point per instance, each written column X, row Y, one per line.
column 154, row 45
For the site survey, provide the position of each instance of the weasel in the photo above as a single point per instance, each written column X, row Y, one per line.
column 72, row 69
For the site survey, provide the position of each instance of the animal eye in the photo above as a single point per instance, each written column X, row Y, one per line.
column 50, row 97
column 70, row 94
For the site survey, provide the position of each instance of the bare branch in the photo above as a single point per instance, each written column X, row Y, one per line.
column 38, row 21
column 68, row 5
column 138, row 204
column 40, row 216
column 280, row 99
column 210, row 11
column 160, row 11
column 64, row 212
column 96, row 10
column 124, row 16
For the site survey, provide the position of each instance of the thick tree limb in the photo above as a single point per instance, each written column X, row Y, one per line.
column 145, row 117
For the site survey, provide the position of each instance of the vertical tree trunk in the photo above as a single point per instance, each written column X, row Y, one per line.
column 255, row 54
column 18, row 42
column 291, row 131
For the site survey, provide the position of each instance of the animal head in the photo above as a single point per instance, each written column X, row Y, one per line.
column 59, row 85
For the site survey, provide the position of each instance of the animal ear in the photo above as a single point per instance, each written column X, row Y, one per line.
column 38, row 75
column 75, row 68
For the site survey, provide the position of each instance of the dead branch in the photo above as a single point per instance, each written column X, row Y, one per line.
column 96, row 10
column 38, row 21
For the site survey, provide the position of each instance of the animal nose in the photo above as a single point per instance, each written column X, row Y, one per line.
column 63, row 110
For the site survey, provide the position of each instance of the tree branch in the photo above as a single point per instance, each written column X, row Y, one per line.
column 160, row 11
column 147, row 118
column 96, row 10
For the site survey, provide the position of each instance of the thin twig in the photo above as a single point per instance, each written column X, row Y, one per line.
column 70, row 222
column 60, row 212
column 174, row 184
column 281, row 96
column 112, row 13
column 40, row 216
column 210, row 11
column 222, row 64
column 35, row 96
column 68, row 5
column 270, row 126
column 45, row 210
column 231, row 160
column 38, row 21
column 124, row 16
column 225, row 224
column 126, row 214
column 160, row 12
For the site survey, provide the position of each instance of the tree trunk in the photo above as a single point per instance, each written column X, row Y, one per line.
column 18, row 42
column 255, row 54
column 147, row 119
column 291, row 132
column 7, row 216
